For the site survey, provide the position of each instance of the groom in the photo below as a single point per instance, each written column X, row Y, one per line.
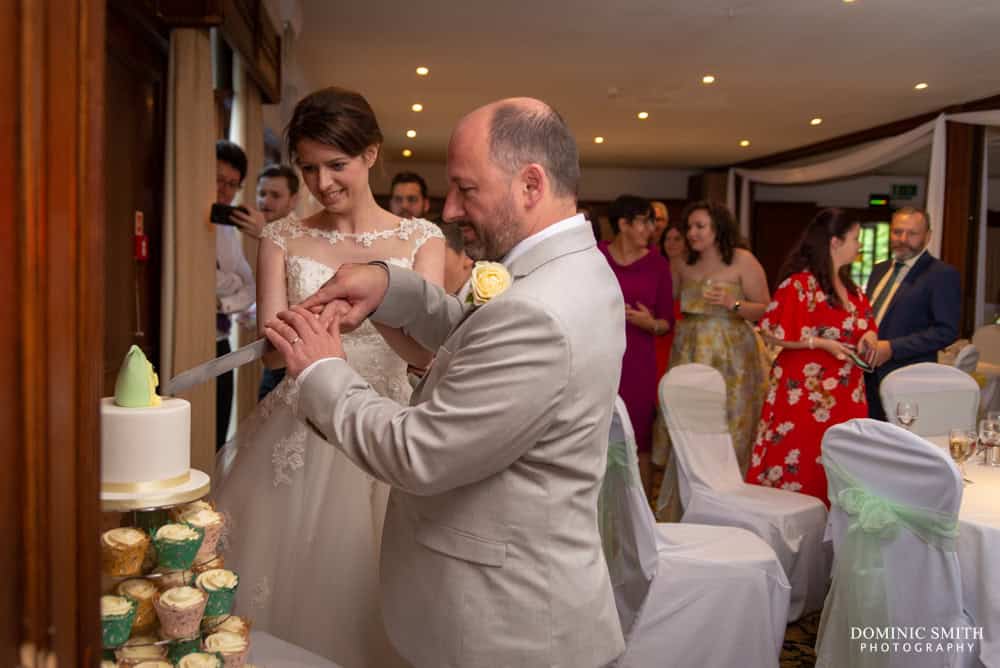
column 490, row 554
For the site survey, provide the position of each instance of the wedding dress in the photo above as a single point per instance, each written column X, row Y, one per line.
column 304, row 524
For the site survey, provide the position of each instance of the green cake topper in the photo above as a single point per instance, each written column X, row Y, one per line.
column 136, row 384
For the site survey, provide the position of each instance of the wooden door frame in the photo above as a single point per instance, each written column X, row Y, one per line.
column 51, row 253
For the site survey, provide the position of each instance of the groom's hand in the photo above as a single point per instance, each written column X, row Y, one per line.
column 353, row 293
column 302, row 339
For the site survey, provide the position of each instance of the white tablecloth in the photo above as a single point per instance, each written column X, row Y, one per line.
column 979, row 552
column 266, row 651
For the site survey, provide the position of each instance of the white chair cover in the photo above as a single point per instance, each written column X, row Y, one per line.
column 987, row 341
column 967, row 358
column 692, row 397
column 946, row 397
column 902, row 476
column 675, row 582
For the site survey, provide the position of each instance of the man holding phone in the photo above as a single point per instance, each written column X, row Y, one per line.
column 235, row 289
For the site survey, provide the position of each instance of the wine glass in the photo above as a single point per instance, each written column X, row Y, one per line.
column 907, row 413
column 961, row 445
column 706, row 288
column 989, row 438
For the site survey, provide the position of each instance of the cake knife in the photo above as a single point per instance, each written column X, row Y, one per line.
column 208, row 370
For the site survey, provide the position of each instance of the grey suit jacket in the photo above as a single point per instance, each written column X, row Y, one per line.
column 491, row 554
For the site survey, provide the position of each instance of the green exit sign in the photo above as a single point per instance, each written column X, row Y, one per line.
column 904, row 190
column 878, row 200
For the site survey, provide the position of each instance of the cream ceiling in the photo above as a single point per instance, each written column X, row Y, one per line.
column 778, row 64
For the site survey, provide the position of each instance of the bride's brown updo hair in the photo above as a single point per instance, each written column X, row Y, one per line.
column 336, row 117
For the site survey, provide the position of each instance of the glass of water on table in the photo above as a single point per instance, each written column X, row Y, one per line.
column 961, row 446
column 907, row 412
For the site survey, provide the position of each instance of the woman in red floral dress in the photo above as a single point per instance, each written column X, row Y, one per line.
column 818, row 317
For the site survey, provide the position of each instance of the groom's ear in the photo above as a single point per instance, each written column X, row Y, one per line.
column 533, row 185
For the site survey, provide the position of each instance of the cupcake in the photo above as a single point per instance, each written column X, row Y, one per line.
column 138, row 649
column 181, row 648
column 141, row 591
column 232, row 646
column 201, row 660
column 176, row 545
column 168, row 578
column 122, row 551
column 117, row 617
column 231, row 623
column 215, row 561
column 211, row 524
column 108, row 664
column 151, row 520
column 220, row 586
column 155, row 663
column 180, row 611
column 177, row 513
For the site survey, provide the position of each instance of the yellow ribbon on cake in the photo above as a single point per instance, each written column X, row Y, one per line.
column 147, row 486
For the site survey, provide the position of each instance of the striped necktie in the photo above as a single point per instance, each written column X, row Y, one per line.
column 882, row 298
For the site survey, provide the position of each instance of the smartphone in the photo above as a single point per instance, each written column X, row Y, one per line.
column 858, row 362
column 221, row 213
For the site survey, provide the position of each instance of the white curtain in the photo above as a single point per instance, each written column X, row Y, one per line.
column 187, row 312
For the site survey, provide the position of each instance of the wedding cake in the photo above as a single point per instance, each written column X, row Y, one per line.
column 146, row 443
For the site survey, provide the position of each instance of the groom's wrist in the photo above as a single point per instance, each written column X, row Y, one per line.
column 305, row 372
column 388, row 278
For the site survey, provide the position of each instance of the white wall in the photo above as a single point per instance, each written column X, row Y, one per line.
column 596, row 183
column 852, row 192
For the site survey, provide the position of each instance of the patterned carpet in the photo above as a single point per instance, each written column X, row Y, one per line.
column 800, row 641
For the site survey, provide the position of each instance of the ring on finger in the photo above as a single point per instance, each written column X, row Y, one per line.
column 295, row 340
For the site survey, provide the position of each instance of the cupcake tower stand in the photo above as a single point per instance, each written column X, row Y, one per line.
column 133, row 638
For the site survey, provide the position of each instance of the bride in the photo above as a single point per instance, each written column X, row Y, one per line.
column 304, row 523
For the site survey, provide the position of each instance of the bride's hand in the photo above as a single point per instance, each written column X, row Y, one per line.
column 359, row 289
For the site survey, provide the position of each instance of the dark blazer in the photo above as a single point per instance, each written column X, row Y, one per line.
column 921, row 319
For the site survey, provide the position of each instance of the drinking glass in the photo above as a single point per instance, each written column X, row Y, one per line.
column 907, row 413
column 706, row 288
column 989, row 439
column 961, row 445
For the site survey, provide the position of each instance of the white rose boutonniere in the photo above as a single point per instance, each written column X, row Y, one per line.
column 489, row 279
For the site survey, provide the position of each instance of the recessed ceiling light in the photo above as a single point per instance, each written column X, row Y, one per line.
column 407, row 153
column 921, row 86
column 423, row 71
column 744, row 143
column 411, row 133
column 816, row 121
column 643, row 115
column 708, row 79
column 848, row 2
column 598, row 140
column 417, row 107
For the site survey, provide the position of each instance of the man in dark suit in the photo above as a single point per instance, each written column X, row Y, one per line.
column 916, row 300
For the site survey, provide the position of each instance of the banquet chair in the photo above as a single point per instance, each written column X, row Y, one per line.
column 712, row 491
column 967, row 359
column 894, row 521
column 946, row 398
column 687, row 595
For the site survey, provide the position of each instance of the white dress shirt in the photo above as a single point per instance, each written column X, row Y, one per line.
column 235, row 287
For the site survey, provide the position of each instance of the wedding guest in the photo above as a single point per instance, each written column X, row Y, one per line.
column 645, row 281
column 670, row 243
column 661, row 218
column 235, row 289
column 818, row 318
column 408, row 195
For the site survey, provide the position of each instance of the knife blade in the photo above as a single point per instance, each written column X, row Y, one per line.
column 208, row 370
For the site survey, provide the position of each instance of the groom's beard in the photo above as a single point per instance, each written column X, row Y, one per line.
column 494, row 241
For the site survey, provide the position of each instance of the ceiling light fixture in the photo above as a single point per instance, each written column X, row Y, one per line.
column 921, row 86
column 411, row 133
column 816, row 121
column 643, row 115
column 744, row 143
column 407, row 153
column 417, row 107
column 423, row 71
column 598, row 140
column 708, row 79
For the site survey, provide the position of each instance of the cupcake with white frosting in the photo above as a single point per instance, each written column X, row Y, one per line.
column 193, row 507
column 214, row 561
column 180, row 611
column 167, row 578
column 220, row 586
column 141, row 591
column 230, row 623
column 211, row 523
column 138, row 649
column 232, row 646
column 155, row 663
column 201, row 660
column 176, row 544
column 122, row 551
column 117, row 617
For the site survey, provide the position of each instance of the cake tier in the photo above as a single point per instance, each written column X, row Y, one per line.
column 145, row 449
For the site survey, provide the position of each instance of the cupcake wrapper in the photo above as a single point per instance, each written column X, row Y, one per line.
column 178, row 554
column 236, row 659
column 180, row 623
column 181, row 648
column 145, row 617
column 123, row 561
column 207, row 550
column 220, row 602
column 116, row 630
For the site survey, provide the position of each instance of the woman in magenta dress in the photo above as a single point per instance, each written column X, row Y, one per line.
column 644, row 277
column 818, row 317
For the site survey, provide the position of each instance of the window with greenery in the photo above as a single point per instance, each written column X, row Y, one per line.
column 874, row 249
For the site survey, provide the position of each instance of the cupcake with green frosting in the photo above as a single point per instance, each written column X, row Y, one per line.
column 176, row 545
column 117, row 616
column 232, row 646
column 220, row 585
column 201, row 660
